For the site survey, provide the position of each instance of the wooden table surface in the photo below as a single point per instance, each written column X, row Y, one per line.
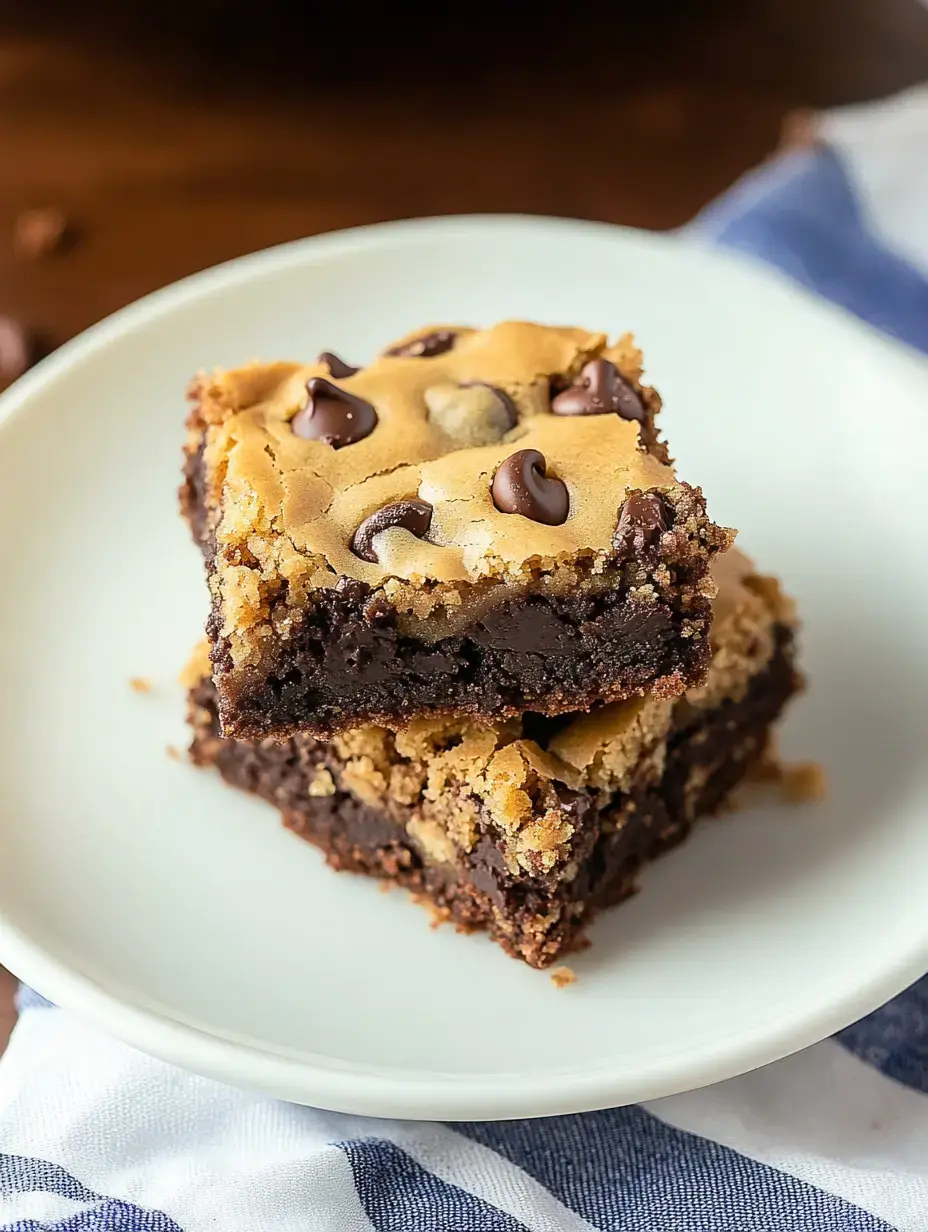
column 208, row 128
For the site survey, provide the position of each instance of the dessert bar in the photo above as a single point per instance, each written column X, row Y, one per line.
column 528, row 826
column 479, row 523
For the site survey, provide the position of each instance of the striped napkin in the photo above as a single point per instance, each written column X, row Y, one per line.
column 94, row 1135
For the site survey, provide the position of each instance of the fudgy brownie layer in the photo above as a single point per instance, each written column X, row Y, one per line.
column 347, row 661
column 536, row 918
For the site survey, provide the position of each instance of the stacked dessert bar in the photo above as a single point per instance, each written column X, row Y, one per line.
column 469, row 631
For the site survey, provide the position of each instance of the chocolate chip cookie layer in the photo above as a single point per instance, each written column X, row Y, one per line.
column 479, row 522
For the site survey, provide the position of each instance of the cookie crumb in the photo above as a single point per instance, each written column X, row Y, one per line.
column 139, row 684
column 322, row 783
column 805, row 782
column 802, row 782
column 562, row 976
column 198, row 667
column 385, row 887
column 438, row 914
column 174, row 753
column 39, row 233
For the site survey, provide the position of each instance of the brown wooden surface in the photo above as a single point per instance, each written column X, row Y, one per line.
column 202, row 130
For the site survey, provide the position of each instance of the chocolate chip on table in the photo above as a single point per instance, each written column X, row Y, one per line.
column 412, row 515
column 522, row 485
column 641, row 523
column 19, row 350
column 336, row 366
column 426, row 347
column 38, row 233
column 600, row 390
column 333, row 416
column 471, row 414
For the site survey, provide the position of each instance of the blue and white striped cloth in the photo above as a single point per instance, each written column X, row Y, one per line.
column 93, row 1135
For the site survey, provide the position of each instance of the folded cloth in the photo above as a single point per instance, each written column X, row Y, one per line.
column 94, row 1135
column 846, row 214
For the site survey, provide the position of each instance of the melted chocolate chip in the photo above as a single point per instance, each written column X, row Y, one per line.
column 522, row 486
column 426, row 347
column 413, row 515
column 641, row 523
column 600, row 390
column 333, row 416
column 336, row 366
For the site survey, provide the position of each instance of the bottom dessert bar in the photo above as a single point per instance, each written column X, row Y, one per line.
column 528, row 828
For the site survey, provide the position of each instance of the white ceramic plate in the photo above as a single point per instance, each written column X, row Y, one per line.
column 181, row 917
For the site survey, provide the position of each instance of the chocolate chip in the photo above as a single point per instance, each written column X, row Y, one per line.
column 522, row 486
column 600, row 390
column 336, row 366
column 426, row 347
column 333, row 416
column 19, row 350
column 641, row 523
column 413, row 515
column 470, row 414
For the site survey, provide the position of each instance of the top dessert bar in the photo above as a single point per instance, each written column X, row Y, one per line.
column 479, row 522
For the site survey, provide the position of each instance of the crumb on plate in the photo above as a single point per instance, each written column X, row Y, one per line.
column 562, row 976
column 804, row 782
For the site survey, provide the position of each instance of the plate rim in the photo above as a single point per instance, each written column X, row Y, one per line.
column 164, row 299
column 379, row 1090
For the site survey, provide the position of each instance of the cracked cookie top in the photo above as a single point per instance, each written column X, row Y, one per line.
column 456, row 459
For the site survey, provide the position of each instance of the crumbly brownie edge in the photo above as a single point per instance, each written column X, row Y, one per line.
column 534, row 919
column 191, row 493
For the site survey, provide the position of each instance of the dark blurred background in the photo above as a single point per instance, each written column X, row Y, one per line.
column 175, row 135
